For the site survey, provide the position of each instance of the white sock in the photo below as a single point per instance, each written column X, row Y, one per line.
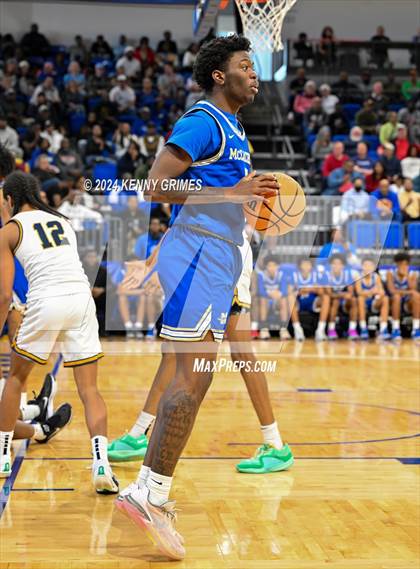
column 352, row 325
column 39, row 434
column 2, row 384
column 321, row 326
column 416, row 323
column 297, row 326
column 254, row 325
column 99, row 449
column 159, row 486
column 142, row 424
column 143, row 475
column 30, row 412
column 138, row 325
column 331, row 325
column 362, row 324
column 271, row 435
column 5, row 442
column 383, row 326
column 395, row 324
column 128, row 325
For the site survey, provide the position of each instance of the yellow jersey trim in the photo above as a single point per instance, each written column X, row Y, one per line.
column 28, row 355
column 84, row 361
column 18, row 223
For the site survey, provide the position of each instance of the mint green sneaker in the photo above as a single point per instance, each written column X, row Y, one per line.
column 127, row 448
column 267, row 459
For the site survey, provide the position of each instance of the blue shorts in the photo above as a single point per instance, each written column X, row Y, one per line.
column 198, row 274
column 370, row 301
column 307, row 302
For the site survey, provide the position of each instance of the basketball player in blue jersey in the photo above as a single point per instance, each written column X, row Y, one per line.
column 199, row 262
column 402, row 286
column 309, row 293
column 341, row 282
column 272, row 292
column 371, row 297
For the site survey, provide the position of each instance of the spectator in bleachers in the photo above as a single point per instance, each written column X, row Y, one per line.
column 380, row 47
column 127, row 64
column 340, row 280
column 344, row 88
column 372, row 181
column 327, row 47
column 119, row 49
column 96, row 145
column 49, row 177
column 315, row 117
column 145, row 54
column 49, row 90
column 402, row 285
column 337, row 121
column 304, row 50
column 322, row 146
column 362, row 161
column 34, row 44
column 392, row 88
column 100, row 49
column 410, row 116
column 402, row 144
column 354, row 138
column 388, row 131
column 397, row 184
column 122, row 138
column 365, row 86
column 303, row 101
column 389, row 161
column 97, row 278
column 371, row 297
column 298, row 82
column 122, row 95
column 25, row 81
column 195, row 93
column 409, row 202
column 411, row 87
column 78, row 51
column 342, row 179
column 339, row 245
column 53, row 135
column 167, row 48
column 73, row 99
column 98, row 82
column 334, row 160
column 135, row 223
column 410, row 165
column 9, row 138
column 130, row 160
column 74, row 73
column 355, row 203
column 366, row 118
column 30, row 140
column 48, row 70
column 386, row 204
column 152, row 142
column 329, row 101
column 12, row 108
column 146, row 243
column 69, row 161
column 78, row 214
column 190, row 56
column 8, row 46
column 169, row 82
column 380, row 101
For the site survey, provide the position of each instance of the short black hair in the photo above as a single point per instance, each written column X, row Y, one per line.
column 215, row 55
column 400, row 257
column 7, row 162
column 370, row 259
column 342, row 258
column 303, row 259
column 271, row 259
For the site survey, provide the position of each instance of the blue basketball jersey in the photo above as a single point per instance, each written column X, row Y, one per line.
column 299, row 281
column 221, row 157
column 368, row 286
column 267, row 284
column 400, row 284
column 341, row 282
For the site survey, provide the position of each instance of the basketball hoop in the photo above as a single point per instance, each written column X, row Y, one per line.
column 263, row 22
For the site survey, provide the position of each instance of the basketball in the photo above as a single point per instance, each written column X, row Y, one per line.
column 283, row 213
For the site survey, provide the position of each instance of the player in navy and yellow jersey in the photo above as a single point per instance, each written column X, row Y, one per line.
column 272, row 293
column 371, row 297
column 199, row 260
column 402, row 286
column 341, row 281
column 309, row 293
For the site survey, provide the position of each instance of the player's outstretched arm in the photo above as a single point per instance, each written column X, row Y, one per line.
column 9, row 237
column 172, row 162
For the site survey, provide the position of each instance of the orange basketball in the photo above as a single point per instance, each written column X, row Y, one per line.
column 283, row 213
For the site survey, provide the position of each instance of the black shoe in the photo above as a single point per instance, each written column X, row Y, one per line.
column 44, row 399
column 56, row 422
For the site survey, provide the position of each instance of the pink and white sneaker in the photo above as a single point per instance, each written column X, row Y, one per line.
column 353, row 335
column 332, row 335
column 158, row 522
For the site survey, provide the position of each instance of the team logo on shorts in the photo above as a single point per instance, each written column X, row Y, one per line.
column 223, row 318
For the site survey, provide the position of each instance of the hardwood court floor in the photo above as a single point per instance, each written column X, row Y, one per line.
column 351, row 414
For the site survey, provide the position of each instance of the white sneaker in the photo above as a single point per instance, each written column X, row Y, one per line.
column 104, row 480
column 264, row 334
column 299, row 334
column 284, row 334
column 320, row 336
column 5, row 465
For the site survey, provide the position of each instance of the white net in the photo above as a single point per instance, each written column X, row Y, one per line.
column 263, row 22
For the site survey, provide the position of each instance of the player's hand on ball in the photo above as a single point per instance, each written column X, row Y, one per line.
column 254, row 187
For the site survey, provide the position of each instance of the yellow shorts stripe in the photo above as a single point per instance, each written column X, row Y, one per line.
column 28, row 355
column 84, row 361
